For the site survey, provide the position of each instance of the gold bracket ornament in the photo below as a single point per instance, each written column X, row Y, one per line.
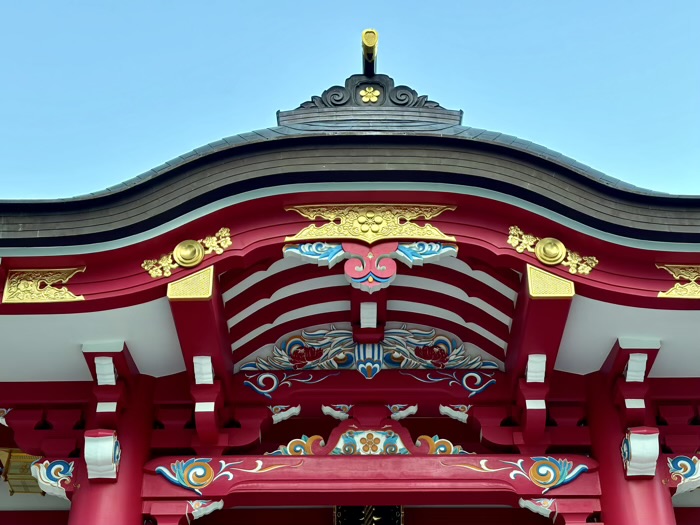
column 188, row 254
column 680, row 272
column 370, row 222
column 550, row 251
column 38, row 286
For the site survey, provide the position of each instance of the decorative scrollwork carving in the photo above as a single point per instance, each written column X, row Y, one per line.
column 370, row 222
column 405, row 96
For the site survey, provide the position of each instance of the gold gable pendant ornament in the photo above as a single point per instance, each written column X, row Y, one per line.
column 370, row 222
column 682, row 272
column 40, row 286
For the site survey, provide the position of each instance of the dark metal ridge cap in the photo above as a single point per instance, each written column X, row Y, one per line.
column 501, row 140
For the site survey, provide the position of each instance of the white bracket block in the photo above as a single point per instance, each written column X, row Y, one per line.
column 640, row 451
column 636, row 368
column 203, row 370
column 535, row 404
column 105, row 371
column 536, row 366
column 205, row 406
column 368, row 315
column 102, row 454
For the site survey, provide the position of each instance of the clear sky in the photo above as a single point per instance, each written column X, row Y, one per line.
column 96, row 92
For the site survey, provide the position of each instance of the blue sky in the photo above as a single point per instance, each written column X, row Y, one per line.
column 94, row 93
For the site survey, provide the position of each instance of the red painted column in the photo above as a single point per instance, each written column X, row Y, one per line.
column 119, row 503
column 623, row 501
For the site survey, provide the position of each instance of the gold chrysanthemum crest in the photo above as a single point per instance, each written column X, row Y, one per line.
column 370, row 222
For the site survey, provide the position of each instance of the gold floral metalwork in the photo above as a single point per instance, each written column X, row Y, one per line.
column 550, row 251
column 681, row 272
column 521, row 241
column 39, row 286
column 370, row 95
column 370, row 222
column 188, row 252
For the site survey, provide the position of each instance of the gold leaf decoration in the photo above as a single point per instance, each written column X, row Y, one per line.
column 550, row 251
column 370, row 222
column 39, row 286
column 680, row 272
column 190, row 252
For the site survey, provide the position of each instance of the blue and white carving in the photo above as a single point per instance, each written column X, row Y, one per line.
column 52, row 476
column 339, row 412
column 399, row 412
column 687, row 470
column 3, row 414
column 267, row 384
column 283, row 412
column 473, row 382
column 321, row 253
column 422, row 252
column 369, row 359
column 458, row 412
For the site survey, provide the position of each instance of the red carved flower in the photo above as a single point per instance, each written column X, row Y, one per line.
column 300, row 357
column 435, row 355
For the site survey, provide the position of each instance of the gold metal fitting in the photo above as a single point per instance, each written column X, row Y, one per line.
column 550, row 251
column 188, row 253
column 370, row 39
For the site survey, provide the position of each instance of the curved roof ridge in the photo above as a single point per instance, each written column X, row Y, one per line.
column 364, row 128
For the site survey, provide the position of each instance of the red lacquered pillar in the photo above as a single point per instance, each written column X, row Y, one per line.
column 623, row 501
column 119, row 503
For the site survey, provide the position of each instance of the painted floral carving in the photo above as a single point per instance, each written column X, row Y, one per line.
column 402, row 348
column 304, row 356
column 437, row 356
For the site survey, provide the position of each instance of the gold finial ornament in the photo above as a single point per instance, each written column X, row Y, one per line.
column 550, row 251
column 370, row 222
column 370, row 40
column 682, row 272
column 188, row 254
column 40, row 286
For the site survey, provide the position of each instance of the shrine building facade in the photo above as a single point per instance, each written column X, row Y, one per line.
column 370, row 313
